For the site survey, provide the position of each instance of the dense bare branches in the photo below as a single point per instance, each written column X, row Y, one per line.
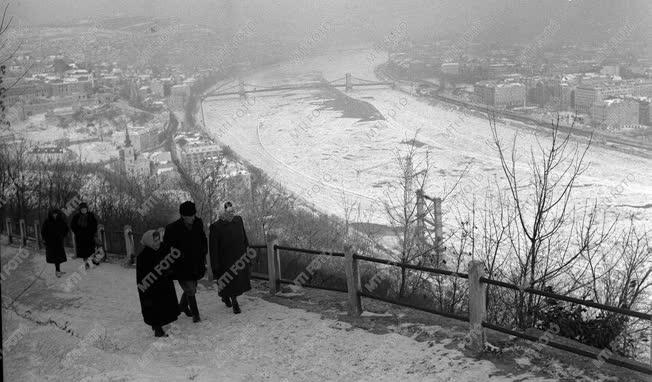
column 552, row 233
column 401, row 207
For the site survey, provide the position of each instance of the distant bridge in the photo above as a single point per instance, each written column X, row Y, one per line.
column 347, row 82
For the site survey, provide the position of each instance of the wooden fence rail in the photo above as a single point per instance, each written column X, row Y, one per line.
column 477, row 285
column 25, row 234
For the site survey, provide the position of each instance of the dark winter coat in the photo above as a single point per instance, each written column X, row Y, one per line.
column 158, row 298
column 191, row 265
column 228, row 244
column 84, row 235
column 53, row 232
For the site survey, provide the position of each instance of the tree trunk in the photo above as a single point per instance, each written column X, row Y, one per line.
column 401, row 291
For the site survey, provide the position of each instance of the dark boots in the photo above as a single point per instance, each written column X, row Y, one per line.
column 188, row 305
column 183, row 305
column 231, row 302
column 158, row 331
column 236, row 306
column 192, row 302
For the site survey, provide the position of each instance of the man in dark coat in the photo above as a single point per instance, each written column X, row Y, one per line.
column 53, row 232
column 84, row 226
column 158, row 299
column 229, row 257
column 187, row 236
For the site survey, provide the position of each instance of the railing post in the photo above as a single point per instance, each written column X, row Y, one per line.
column 101, row 234
column 129, row 242
column 37, row 234
column 23, row 231
column 273, row 265
column 477, row 307
column 348, row 86
column 9, row 233
column 209, row 264
column 74, row 242
column 353, row 285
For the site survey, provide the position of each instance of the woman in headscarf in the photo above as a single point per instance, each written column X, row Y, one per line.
column 84, row 225
column 228, row 246
column 158, row 298
column 53, row 232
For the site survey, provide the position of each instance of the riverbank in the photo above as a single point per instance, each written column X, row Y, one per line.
column 332, row 160
column 604, row 139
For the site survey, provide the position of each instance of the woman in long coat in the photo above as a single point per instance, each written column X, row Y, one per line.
column 53, row 232
column 158, row 298
column 228, row 247
column 84, row 225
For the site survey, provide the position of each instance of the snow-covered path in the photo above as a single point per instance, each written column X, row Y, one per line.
column 107, row 340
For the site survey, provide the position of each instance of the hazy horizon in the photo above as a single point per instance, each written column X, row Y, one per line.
column 507, row 20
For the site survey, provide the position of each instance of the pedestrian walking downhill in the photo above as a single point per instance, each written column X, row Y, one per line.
column 84, row 226
column 53, row 233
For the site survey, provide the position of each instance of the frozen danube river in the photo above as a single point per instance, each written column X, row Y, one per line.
column 335, row 150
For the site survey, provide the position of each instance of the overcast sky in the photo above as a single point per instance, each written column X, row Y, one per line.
column 514, row 19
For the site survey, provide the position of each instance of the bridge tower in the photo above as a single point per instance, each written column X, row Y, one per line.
column 241, row 90
column 348, row 82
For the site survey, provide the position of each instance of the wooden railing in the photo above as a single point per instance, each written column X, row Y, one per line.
column 477, row 285
column 22, row 233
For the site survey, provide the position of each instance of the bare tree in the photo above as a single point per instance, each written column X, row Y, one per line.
column 550, row 233
column 401, row 208
column 206, row 185
column 7, row 51
column 15, row 165
column 59, row 182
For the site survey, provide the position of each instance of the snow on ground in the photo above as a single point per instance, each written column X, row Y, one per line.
column 94, row 152
column 37, row 129
column 267, row 342
column 328, row 159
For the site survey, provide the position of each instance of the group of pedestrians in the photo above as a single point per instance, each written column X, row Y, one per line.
column 179, row 253
column 55, row 229
column 176, row 253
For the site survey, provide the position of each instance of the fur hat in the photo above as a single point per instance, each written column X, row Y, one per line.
column 187, row 208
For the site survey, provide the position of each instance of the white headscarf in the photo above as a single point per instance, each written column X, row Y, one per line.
column 222, row 213
column 148, row 238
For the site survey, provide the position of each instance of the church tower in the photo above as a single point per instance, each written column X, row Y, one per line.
column 128, row 155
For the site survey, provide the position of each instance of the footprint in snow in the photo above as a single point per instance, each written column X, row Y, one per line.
column 340, row 325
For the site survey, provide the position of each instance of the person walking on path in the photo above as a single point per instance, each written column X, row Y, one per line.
column 186, row 235
column 84, row 226
column 53, row 232
column 228, row 251
column 158, row 298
